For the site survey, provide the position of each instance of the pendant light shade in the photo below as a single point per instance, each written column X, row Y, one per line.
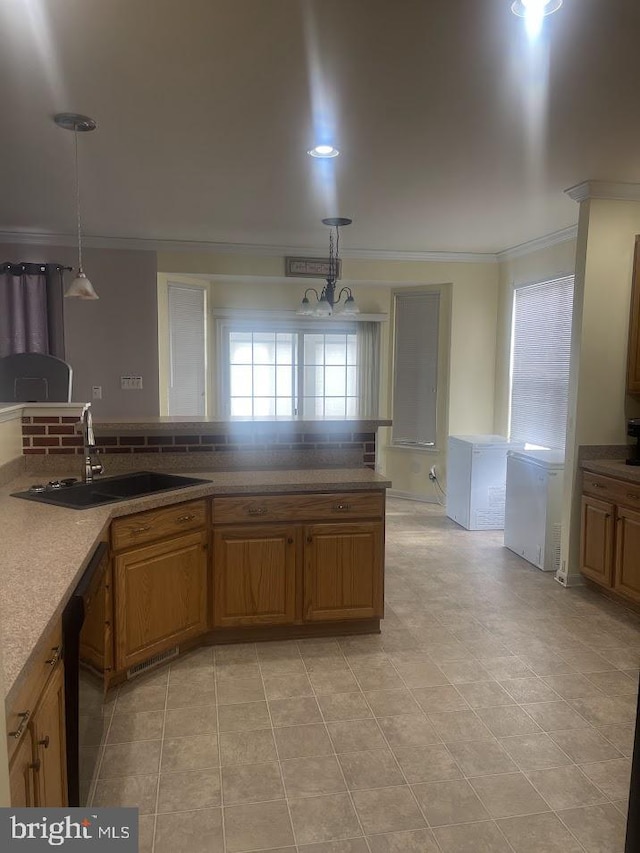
column 80, row 287
column 329, row 302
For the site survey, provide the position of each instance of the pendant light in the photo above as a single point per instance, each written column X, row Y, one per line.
column 327, row 302
column 80, row 287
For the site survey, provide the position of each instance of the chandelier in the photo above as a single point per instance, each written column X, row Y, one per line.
column 327, row 303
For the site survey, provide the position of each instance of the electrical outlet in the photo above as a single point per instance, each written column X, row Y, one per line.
column 131, row 383
column 96, row 392
column 432, row 473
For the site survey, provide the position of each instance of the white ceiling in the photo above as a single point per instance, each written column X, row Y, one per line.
column 456, row 134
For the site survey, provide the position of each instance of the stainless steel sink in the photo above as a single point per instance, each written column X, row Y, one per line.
column 108, row 489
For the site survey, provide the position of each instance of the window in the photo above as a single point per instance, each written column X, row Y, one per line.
column 540, row 358
column 187, row 350
column 415, row 368
column 280, row 370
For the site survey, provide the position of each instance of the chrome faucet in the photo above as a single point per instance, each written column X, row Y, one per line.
column 89, row 441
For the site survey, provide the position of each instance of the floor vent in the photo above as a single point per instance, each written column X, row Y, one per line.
column 556, row 535
column 156, row 660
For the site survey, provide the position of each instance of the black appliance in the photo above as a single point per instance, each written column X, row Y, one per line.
column 83, row 689
column 633, row 430
column 633, row 819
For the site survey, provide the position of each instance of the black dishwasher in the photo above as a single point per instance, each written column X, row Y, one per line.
column 83, row 683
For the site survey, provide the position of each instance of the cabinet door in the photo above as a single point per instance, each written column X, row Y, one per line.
column 95, row 636
column 161, row 597
column 21, row 775
column 343, row 571
column 50, row 744
column 633, row 350
column 255, row 575
column 596, row 540
column 627, row 573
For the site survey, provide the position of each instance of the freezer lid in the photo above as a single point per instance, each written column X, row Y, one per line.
column 486, row 441
column 549, row 459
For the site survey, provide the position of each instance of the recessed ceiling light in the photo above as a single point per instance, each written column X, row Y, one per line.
column 323, row 151
column 525, row 8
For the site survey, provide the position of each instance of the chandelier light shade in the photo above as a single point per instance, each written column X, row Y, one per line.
column 80, row 287
column 327, row 303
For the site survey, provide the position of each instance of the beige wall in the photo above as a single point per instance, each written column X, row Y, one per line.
column 113, row 337
column 468, row 340
column 10, row 439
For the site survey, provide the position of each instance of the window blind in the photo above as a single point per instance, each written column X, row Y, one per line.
column 540, row 358
column 187, row 359
column 415, row 369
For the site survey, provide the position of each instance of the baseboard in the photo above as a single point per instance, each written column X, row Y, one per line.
column 409, row 496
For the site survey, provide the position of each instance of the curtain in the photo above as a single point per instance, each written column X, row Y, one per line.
column 31, row 309
column 368, row 359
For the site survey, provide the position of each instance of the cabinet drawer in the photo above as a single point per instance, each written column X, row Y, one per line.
column 145, row 527
column 608, row 489
column 299, row 507
column 22, row 707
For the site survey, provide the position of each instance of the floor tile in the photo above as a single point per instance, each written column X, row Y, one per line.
column 508, row 795
column 243, row 717
column 459, row 725
column 140, row 698
column 344, row 706
column 259, row 826
column 312, row 777
column 132, row 791
column 196, row 831
column 508, row 720
column 240, row 669
column 439, row 699
column 285, row 686
column 247, row 747
column 328, row 818
column 582, row 745
column 355, row 735
column 481, row 757
column 235, row 653
column 200, row 720
column 611, row 777
column 195, row 789
column 427, row 763
column 485, row 694
column 376, row 768
column 461, row 672
column 189, row 753
column 146, row 831
column 251, row 783
column 409, row 841
column 422, row 674
column 565, row 787
column 600, row 829
column 621, row 735
column 140, row 725
column 235, row 691
column 451, row 802
column 388, row 810
column 535, row 752
column 524, row 690
column 540, row 833
column 384, row 677
column 296, row 711
column 190, row 696
column 506, row 667
column 571, row 686
column 606, row 710
column 482, row 837
column 302, row 741
column 140, row 758
column 347, row 845
column 332, row 681
column 614, row 683
column 556, row 716
column 386, row 703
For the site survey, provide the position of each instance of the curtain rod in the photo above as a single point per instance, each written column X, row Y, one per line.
column 30, row 268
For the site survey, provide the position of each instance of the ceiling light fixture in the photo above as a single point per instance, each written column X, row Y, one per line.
column 327, row 303
column 323, row 152
column 80, row 287
column 534, row 11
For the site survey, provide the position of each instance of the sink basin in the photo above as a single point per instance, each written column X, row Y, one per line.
column 111, row 489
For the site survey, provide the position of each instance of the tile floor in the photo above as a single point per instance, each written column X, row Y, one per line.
column 494, row 714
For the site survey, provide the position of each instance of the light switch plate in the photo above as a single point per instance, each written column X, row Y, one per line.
column 131, row 383
column 96, row 392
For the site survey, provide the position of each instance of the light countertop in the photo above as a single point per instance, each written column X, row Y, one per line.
column 44, row 549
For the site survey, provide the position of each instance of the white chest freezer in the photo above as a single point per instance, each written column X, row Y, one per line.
column 533, row 509
column 476, row 480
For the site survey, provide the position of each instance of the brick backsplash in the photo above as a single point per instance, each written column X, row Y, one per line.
column 57, row 436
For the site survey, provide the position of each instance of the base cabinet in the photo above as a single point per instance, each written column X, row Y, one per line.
column 160, row 597
column 343, row 571
column 22, row 774
column 627, row 567
column 596, row 540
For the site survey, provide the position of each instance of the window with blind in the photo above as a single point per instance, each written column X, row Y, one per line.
column 540, row 358
column 415, row 369
column 187, row 350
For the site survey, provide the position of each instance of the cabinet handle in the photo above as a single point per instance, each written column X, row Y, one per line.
column 257, row 510
column 182, row 518
column 341, row 507
column 633, row 495
column 36, row 765
column 142, row 529
column 598, row 486
column 290, row 540
column 44, row 742
column 53, row 660
column 309, row 539
column 23, row 724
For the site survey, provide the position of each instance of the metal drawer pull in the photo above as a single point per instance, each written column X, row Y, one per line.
column 598, row 486
column 44, row 742
column 257, row 510
column 141, row 529
column 182, row 518
column 23, row 724
column 341, row 507
column 57, row 651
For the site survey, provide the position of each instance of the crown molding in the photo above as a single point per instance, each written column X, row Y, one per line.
column 611, row 190
column 25, row 238
column 519, row 251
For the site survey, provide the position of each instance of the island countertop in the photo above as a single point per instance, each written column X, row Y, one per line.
column 44, row 549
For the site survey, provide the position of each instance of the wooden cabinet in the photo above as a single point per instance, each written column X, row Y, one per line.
column 255, row 575
column 325, row 564
column 36, row 741
column 610, row 534
column 161, row 597
column 343, row 571
column 633, row 351
column 96, row 636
